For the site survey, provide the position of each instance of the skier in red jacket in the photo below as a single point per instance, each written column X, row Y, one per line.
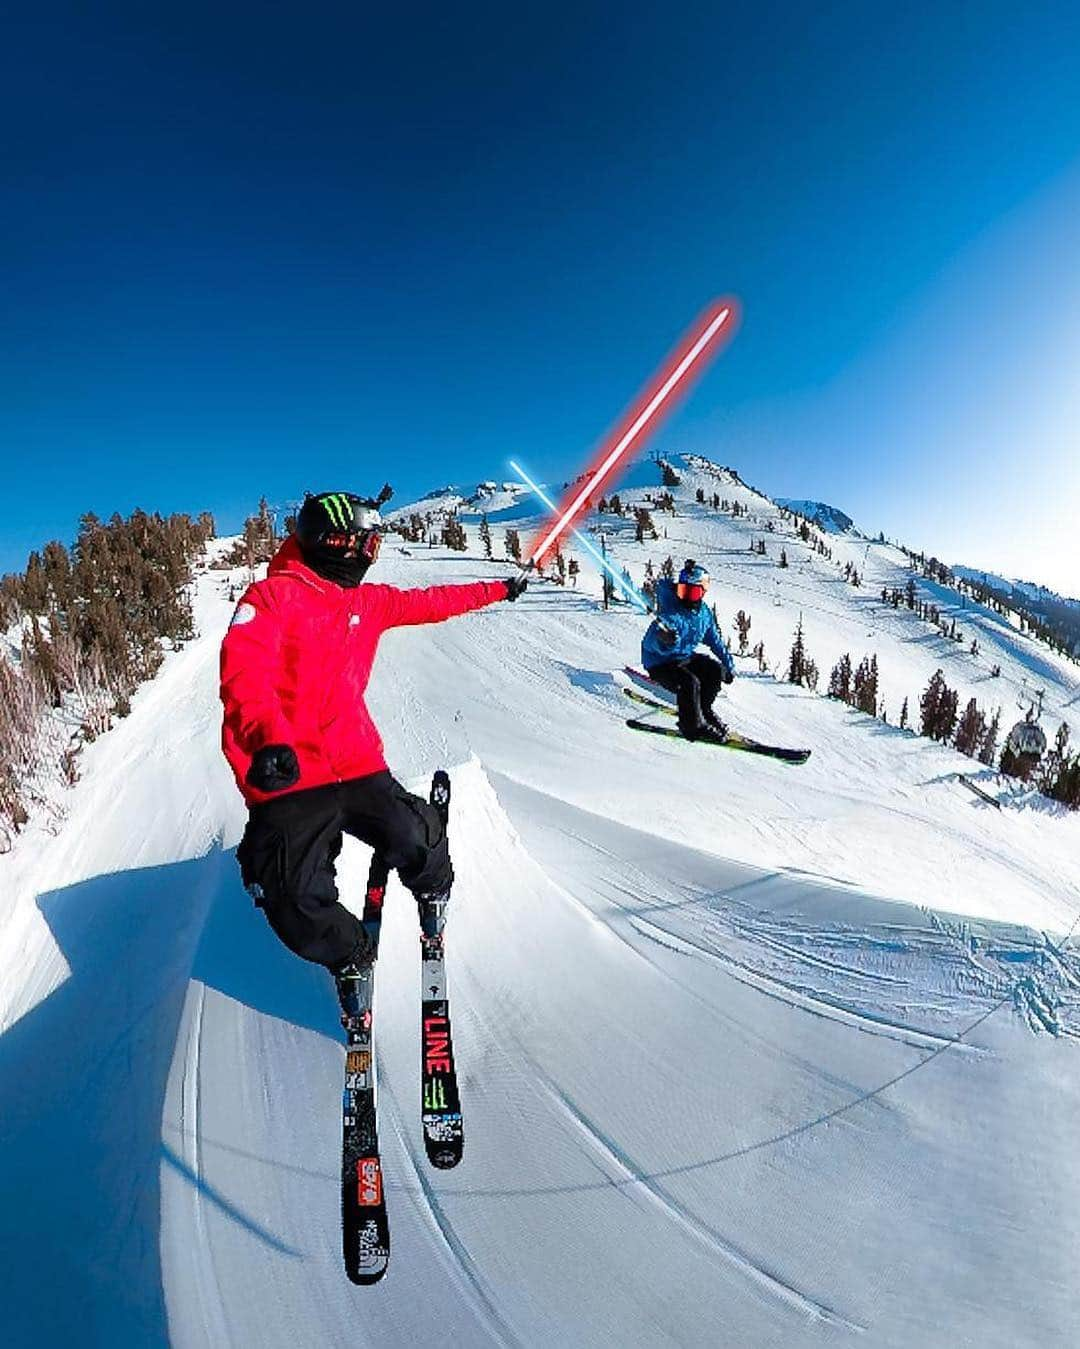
column 295, row 664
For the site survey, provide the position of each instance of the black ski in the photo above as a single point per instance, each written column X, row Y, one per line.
column 733, row 740
column 654, row 696
column 365, row 1227
column 444, row 1135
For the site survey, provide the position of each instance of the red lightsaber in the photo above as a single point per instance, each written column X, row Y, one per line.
column 715, row 327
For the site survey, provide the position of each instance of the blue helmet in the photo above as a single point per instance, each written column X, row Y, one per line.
column 693, row 573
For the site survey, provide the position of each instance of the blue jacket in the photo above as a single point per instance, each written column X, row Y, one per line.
column 691, row 628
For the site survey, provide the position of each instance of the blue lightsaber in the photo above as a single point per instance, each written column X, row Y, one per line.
column 621, row 581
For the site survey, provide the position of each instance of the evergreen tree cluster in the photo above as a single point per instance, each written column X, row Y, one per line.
column 1059, row 772
column 416, row 528
column 257, row 543
column 859, row 689
column 644, row 528
column 938, row 708
column 453, row 534
column 969, row 731
column 93, row 621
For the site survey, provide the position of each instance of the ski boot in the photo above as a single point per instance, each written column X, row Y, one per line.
column 432, row 910
column 715, row 729
column 354, row 986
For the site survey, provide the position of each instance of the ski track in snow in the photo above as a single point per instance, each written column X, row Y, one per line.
column 625, row 1166
column 424, row 1186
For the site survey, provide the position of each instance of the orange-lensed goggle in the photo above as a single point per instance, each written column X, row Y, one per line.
column 365, row 545
column 692, row 591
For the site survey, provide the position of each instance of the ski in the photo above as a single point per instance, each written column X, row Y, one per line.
column 444, row 1135
column 365, row 1226
column 733, row 740
column 648, row 686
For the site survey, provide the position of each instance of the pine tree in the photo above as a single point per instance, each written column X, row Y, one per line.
column 742, row 624
column 798, row 661
column 643, row 525
column 930, row 705
column 970, row 730
column 513, row 545
column 949, row 703
column 1053, row 762
column 865, row 686
column 35, row 586
column 990, row 738
column 904, row 715
column 840, row 679
column 485, row 534
column 783, row 557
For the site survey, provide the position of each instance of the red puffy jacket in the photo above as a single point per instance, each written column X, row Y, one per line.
column 296, row 661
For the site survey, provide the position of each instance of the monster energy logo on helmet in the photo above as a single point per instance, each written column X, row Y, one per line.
column 339, row 508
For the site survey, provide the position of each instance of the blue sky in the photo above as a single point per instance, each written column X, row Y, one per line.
column 257, row 249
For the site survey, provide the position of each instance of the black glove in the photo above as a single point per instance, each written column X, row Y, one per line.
column 515, row 586
column 664, row 635
column 729, row 675
column 273, row 768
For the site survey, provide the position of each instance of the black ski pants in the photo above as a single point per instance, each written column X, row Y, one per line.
column 695, row 682
column 291, row 843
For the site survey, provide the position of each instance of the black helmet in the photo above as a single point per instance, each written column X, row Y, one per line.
column 341, row 530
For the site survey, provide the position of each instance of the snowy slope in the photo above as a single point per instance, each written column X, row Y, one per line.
column 735, row 1072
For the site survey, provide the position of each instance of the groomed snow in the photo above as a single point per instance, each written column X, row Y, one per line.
column 750, row 1054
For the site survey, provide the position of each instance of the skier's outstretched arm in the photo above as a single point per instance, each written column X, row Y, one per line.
column 398, row 608
column 250, row 660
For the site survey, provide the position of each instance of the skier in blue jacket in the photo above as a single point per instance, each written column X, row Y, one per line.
column 669, row 651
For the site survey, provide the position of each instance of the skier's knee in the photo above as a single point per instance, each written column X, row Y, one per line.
column 432, row 873
column 315, row 927
column 420, row 852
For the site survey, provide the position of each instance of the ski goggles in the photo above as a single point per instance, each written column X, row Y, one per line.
column 692, row 592
column 355, row 544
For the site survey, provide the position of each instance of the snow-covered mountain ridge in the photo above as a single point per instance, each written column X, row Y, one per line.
column 799, row 1043
column 1029, row 590
column 829, row 518
column 487, row 498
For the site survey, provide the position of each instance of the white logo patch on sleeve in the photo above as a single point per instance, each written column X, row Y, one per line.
column 244, row 614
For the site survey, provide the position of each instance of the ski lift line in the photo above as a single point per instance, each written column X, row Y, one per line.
column 595, row 553
column 697, row 349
